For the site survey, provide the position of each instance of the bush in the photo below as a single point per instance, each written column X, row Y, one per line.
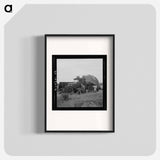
column 65, row 96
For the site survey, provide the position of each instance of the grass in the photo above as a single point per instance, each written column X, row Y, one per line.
column 91, row 99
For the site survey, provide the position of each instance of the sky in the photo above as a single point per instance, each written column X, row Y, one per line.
column 68, row 69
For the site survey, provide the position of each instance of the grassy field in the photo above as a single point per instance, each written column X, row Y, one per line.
column 91, row 99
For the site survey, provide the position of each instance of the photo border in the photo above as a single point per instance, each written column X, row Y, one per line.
column 113, row 86
column 54, row 78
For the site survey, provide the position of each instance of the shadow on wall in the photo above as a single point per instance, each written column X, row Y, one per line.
column 39, row 84
column 24, row 85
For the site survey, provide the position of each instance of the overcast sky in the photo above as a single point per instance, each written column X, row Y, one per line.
column 68, row 69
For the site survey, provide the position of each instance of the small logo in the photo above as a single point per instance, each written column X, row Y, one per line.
column 8, row 8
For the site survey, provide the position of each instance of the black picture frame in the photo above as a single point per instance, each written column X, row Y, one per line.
column 54, row 91
column 113, row 86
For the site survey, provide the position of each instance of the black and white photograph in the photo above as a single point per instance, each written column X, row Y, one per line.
column 79, row 82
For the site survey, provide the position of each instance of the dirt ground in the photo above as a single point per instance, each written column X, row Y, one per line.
column 91, row 99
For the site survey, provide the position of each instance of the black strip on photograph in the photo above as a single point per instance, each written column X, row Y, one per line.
column 54, row 82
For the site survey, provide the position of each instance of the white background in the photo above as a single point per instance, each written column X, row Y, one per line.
column 19, row 4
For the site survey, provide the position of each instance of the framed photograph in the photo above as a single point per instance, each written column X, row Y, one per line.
column 79, row 83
